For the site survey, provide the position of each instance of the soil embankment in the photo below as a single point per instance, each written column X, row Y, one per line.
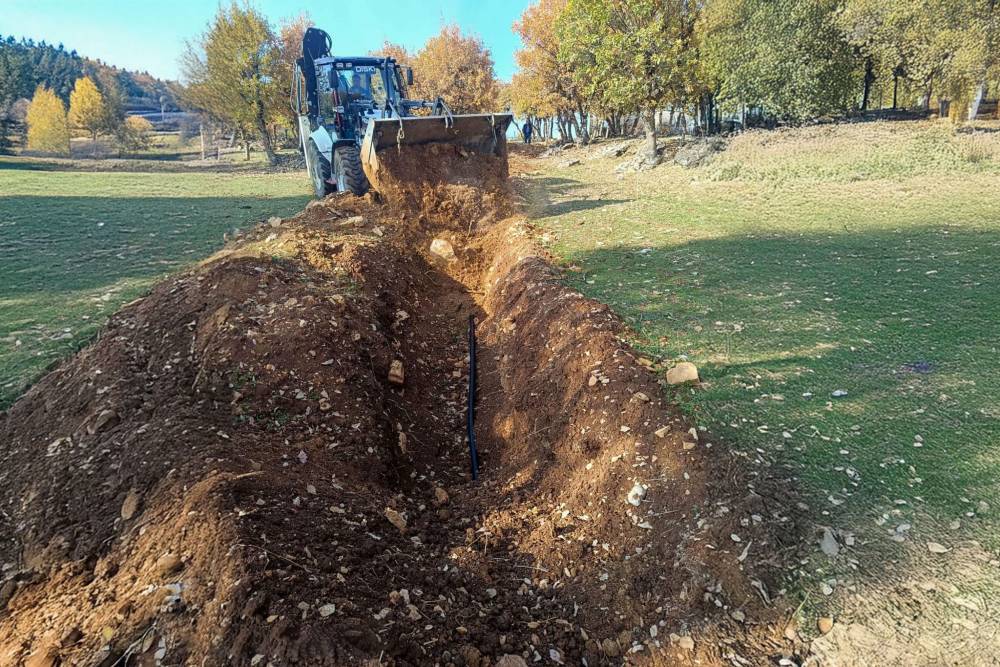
column 236, row 473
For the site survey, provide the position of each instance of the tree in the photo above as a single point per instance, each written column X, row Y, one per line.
column 543, row 85
column 397, row 52
column 458, row 68
column 787, row 56
column 632, row 55
column 12, row 81
column 86, row 107
column 48, row 128
column 290, row 35
column 133, row 135
column 233, row 73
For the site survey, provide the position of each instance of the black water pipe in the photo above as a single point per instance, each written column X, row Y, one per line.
column 470, row 417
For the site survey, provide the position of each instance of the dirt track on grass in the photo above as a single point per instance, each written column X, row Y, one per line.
column 228, row 475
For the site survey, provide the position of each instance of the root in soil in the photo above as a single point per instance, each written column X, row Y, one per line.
column 228, row 475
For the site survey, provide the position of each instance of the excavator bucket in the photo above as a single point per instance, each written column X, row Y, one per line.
column 483, row 134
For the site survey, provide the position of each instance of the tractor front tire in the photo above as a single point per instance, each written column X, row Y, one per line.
column 347, row 167
column 320, row 170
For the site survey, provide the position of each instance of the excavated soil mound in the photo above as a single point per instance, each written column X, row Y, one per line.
column 444, row 184
column 264, row 461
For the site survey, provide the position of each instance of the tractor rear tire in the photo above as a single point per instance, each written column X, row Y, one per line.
column 321, row 171
column 347, row 167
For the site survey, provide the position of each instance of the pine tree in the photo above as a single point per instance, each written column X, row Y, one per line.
column 48, row 127
column 86, row 107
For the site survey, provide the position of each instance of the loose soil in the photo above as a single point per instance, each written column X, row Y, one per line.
column 229, row 476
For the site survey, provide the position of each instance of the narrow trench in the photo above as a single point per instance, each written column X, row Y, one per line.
column 351, row 530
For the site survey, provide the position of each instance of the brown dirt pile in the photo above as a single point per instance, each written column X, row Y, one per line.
column 446, row 185
column 229, row 476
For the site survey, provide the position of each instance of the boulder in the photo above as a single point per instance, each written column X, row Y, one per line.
column 682, row 372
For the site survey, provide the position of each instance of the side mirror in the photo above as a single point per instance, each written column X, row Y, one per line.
column 409, row 76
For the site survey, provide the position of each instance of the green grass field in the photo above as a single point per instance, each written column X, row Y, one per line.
column 75, row 245
column 859, row 259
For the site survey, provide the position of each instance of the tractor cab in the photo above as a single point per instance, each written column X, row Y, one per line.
column 342, row 94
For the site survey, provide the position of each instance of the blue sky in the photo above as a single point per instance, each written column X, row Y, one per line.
column 151, row 35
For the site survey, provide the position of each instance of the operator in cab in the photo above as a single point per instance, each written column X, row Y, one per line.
column 357, row 90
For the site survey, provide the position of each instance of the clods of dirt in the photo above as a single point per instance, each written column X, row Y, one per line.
column 264, row 461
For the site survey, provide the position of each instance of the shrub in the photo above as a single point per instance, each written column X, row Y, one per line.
column 133, row 135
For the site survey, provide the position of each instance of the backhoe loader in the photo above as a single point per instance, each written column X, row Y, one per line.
column 352, row 109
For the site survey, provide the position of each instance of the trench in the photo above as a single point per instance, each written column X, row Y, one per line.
column 325, row 514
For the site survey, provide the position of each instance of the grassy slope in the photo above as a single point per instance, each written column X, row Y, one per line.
column 860, row 258
column 75, row 245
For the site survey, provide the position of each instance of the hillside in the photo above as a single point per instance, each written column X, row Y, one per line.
column 26, row 64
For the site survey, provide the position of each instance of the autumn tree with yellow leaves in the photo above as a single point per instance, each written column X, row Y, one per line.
column 86, row 107
column 458, row 68
column 48, row 126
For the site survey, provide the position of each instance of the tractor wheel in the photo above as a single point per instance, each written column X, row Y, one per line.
column 347, row 167
column 320, row 171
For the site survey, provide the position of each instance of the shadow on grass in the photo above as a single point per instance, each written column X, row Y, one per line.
column 551, row 196
column 902, row 321
column 67, row 263
column 151, row 162
column 67, row 244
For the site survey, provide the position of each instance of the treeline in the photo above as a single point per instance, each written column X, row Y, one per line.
column 706, row 61
column 27, row 66
column 237, row 75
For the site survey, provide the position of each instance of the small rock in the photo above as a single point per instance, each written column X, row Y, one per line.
column 131, row 505
column 443, row 249
column 396, row 374
column 274, row 221
column 510, row 660
column 592, row 381
column 662, row 431
column 936, row 548
column 45, row 656
column 828, row 543
column 636, row 494
column 105, row 419
column 610, row 648
column 639, row 396
column 356, row 221
column 738, row 616
column 396, row 519
column 440, row 496
column 568, row 163
column 168, row 564
column 838, row 393
column 824, row 624
column 686, row 643
column 7, row 591
column 682, row 372
column 327, row 610
column 259, row 658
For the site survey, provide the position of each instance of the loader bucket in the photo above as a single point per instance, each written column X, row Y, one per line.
column 483, row 134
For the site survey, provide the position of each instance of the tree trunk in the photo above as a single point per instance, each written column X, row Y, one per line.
column 869, row 79
column 649, row 127
column 977, row 99
column 895, row 91
column 584, row 126
column 265, row 136
column 925, row 99
column 201, row 132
